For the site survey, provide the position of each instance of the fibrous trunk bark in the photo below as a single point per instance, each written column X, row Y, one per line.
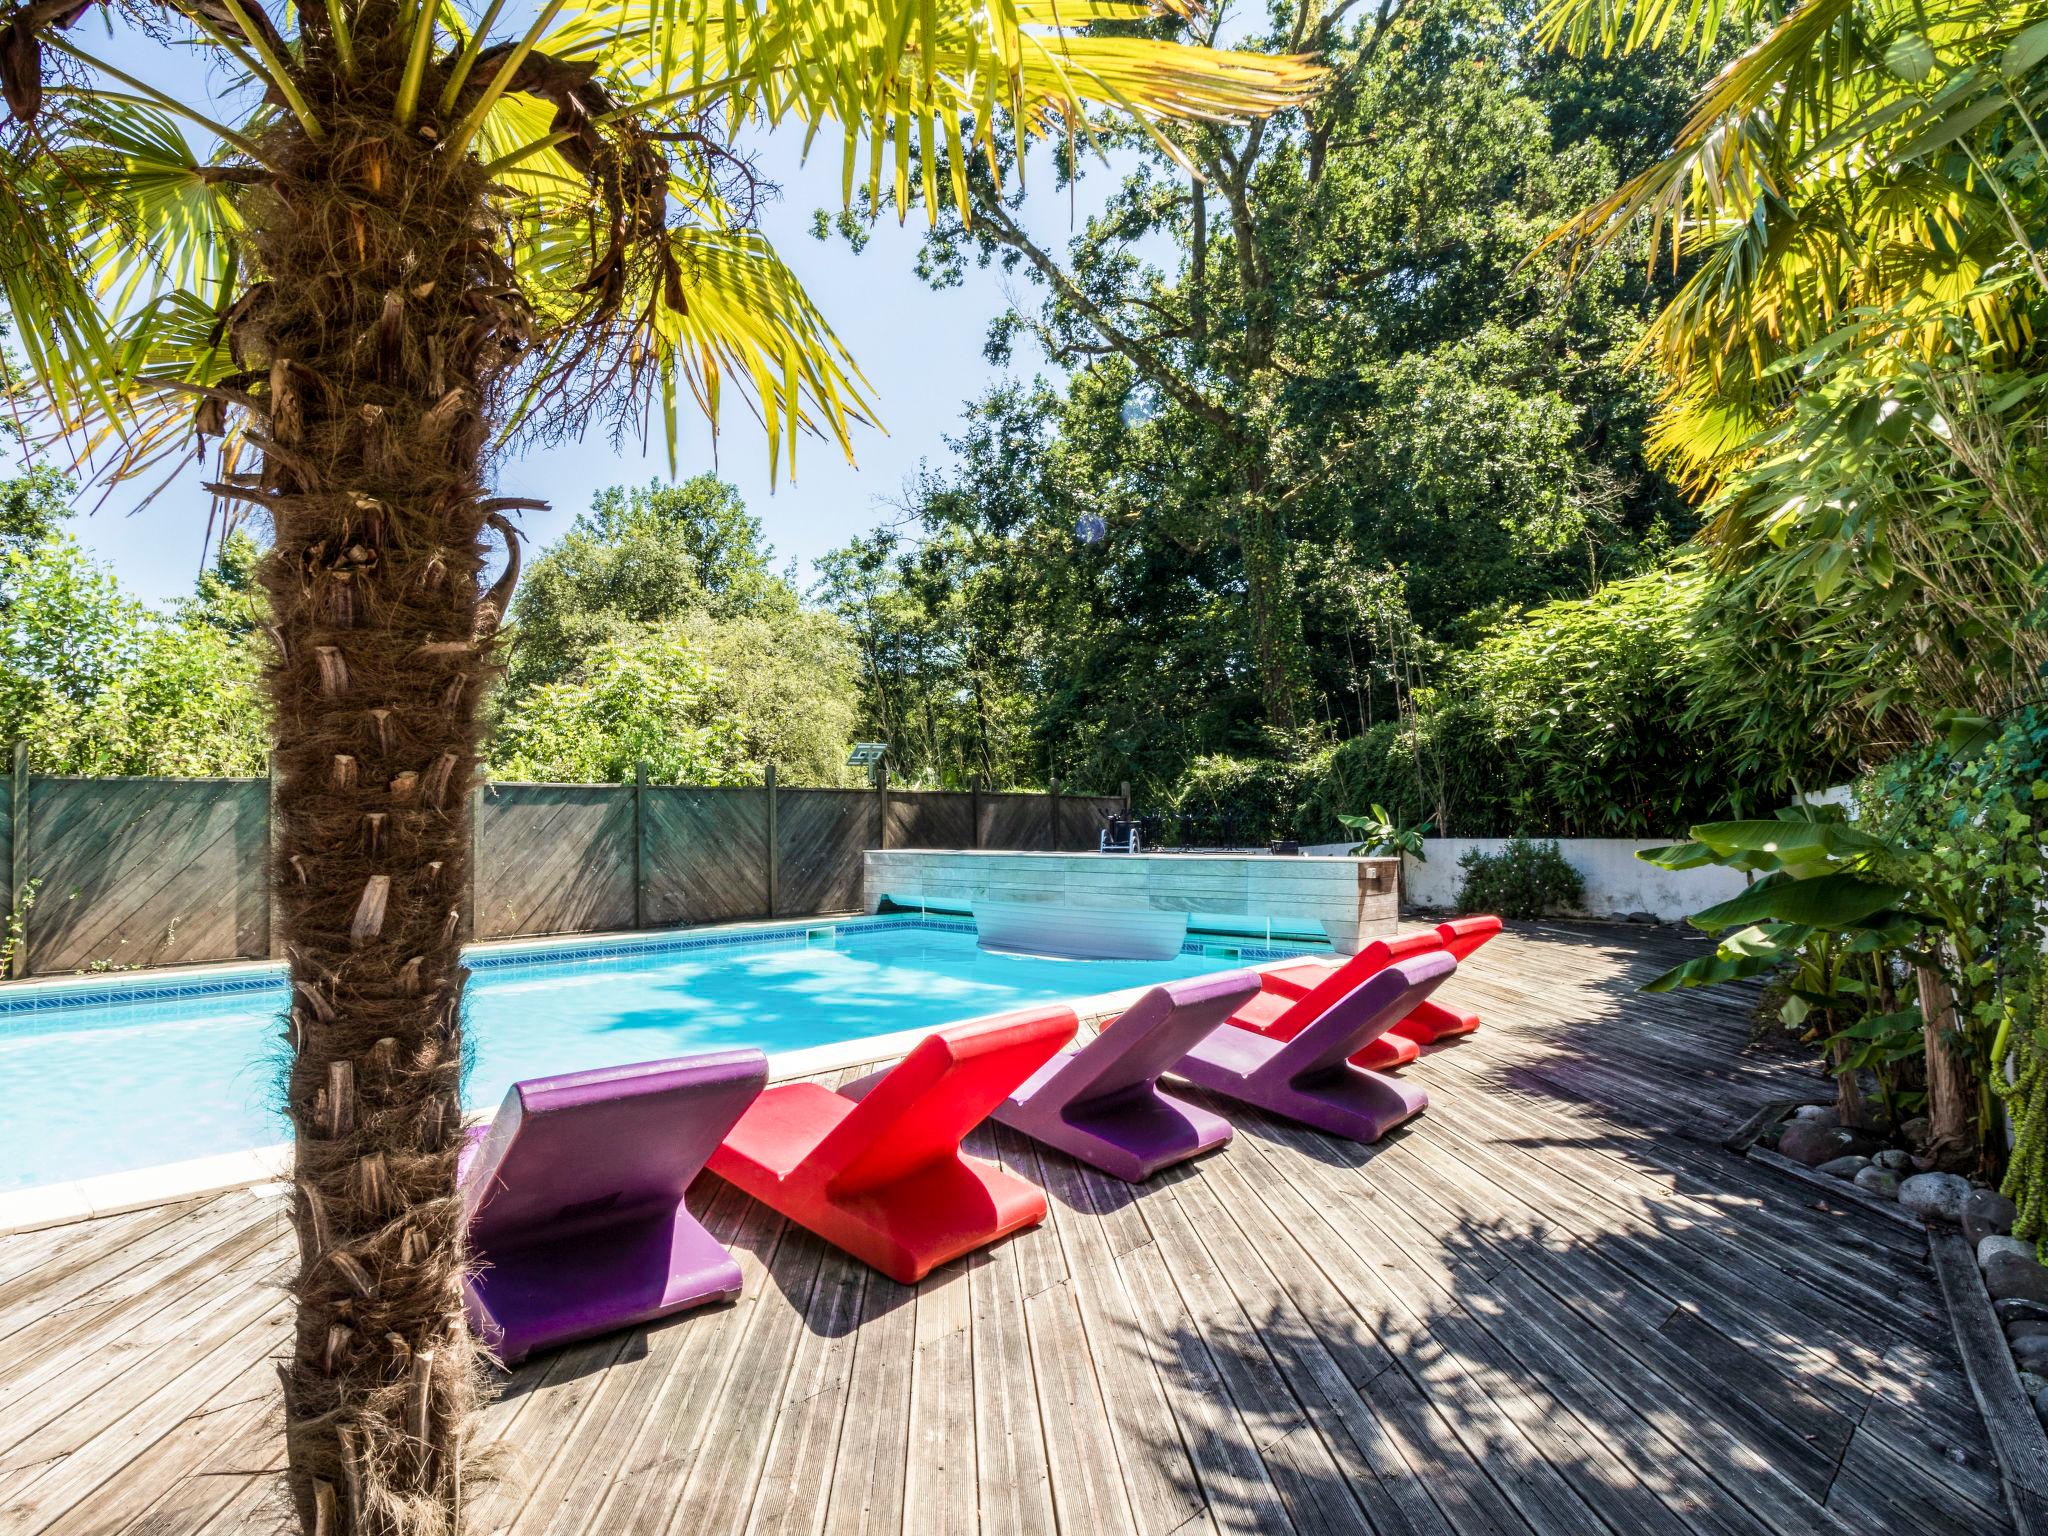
column 375, row 346
column 1952, row 1138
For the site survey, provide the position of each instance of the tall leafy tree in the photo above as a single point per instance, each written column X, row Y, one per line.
column 400, row 233
column 1345, row 346
column 1442, row 426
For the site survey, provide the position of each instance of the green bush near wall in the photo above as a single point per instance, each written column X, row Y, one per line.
column 1576, row 719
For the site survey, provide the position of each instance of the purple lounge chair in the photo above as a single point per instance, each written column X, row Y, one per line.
column 1308, row 1078
column 575, row 1199
column 1100, row 1102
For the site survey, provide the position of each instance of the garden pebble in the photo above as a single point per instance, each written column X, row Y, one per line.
column 2032, row 1355
column 2016, row 1331
column 2011, row 1312
column 1894, row 1160
column 1818, row 1114
column 1813, row 1142
column 1986, row 1214
column 1881, row 1182
column 2033, row 1385
column 1992, row 1247
column 1844, row 1167
column 1935, row 1194
column 2008, row 1279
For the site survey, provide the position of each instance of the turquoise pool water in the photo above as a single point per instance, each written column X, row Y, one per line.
column 95, row 1087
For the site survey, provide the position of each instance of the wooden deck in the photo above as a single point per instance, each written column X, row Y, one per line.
column 1552, row 1305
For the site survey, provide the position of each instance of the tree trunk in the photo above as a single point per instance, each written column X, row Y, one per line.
column 1278, row 653
column 1850, row 1107
column 384, row 322
column 1952, row 1135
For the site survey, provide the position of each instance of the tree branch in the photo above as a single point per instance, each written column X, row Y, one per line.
column 1145, row 358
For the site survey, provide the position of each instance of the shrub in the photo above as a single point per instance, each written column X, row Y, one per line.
column 1241, row 802
column 1523, row 880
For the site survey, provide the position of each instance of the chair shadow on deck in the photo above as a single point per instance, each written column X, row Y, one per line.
column 1521, row 1374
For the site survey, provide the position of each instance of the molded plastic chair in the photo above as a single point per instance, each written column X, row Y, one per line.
column 1309, row 1078
column 1294, row 980
column 1294, row 994
column 1100, row 1103
column 574, row 1195
column 876, row 1169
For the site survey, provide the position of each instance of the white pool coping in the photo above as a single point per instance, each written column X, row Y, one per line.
column 112, row 1194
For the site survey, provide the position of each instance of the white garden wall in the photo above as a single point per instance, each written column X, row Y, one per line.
column 1617, row 882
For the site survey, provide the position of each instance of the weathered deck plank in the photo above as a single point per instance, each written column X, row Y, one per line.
column 1553, row 1305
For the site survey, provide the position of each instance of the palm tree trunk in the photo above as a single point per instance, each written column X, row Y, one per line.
column 1952, row 1138
column 377, row 342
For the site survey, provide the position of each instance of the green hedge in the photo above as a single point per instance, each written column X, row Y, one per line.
column 1570, row 720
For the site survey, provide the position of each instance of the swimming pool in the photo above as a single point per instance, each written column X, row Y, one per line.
column 123, row 1075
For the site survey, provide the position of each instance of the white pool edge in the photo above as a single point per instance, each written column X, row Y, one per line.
column 114, row 1194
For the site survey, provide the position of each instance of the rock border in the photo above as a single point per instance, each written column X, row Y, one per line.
column 2014, row 1427
column 2012, row 1402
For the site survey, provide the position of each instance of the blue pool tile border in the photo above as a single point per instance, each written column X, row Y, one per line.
column 53, row 993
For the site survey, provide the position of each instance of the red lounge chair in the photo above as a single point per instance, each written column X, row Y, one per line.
column 1279, row 1011
column 877, row 1170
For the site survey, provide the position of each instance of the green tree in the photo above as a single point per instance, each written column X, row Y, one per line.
column 647, row 700
column 1851, row 372
column 681, row 567
column 95, row 682
column 1347, row 311
column 645, row 555
column 419, row 232
column 1348, row 354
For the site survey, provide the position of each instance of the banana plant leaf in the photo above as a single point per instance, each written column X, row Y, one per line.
column 1700, row 856
column 1710, row 970
column 1838, row 900
column 1794, row 842
column 1750, row 953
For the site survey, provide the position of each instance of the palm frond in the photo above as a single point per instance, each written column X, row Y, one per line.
column 904, row 78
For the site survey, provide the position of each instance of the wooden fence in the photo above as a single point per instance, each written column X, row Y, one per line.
column 116, row 873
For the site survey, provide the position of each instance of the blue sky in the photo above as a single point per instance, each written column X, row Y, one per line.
column 920, row 350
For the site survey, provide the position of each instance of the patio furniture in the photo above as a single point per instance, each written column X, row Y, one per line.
column 1295, row 993
column 1309, row 1078
column 574, row 1196
column 1431, row 1021
column 876, row 1168
column 1100, row 1103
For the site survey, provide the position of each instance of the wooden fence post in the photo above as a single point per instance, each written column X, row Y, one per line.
column 640, row 845
column 17, row 857
column 1124, row 790
column 1053, row 813
column 774, row 850
column 975, row 791
column 881, row 805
